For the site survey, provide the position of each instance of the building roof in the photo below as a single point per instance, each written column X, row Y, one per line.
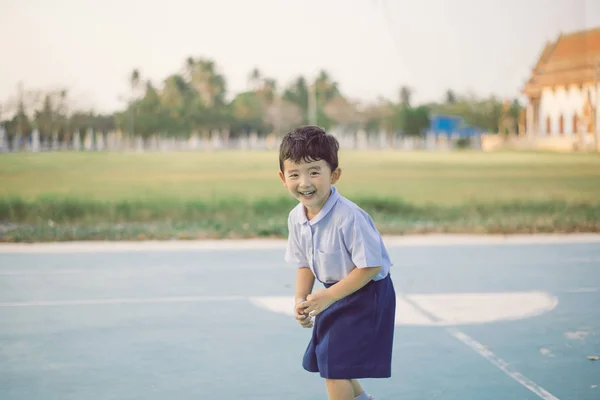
column 571, row 59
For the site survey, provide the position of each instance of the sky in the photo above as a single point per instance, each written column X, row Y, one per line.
column 370, row 47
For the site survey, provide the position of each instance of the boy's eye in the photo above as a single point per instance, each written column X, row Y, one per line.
column 293, row 175
column 314, row 173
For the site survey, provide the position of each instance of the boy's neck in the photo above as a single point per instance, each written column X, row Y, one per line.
column 310, row 214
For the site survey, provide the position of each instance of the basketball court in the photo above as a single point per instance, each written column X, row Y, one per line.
column 477, row 318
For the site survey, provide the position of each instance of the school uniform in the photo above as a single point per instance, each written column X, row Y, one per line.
column 353, row 338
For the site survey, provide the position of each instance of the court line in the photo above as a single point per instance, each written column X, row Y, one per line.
column 432, row 317
column 501, row 364
column 485, row 353
column 583, row 290
column 456, row 333
column 259, row 244
column 147, row 300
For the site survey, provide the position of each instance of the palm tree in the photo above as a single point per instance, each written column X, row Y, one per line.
column 134, row 80
column 326, row 88
column 189, row 67
column 254, row 79
column 405, row 96
column 297, row 93
column 209, row 84
column 450, row 97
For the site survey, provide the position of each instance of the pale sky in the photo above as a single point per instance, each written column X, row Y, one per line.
column 371, row 47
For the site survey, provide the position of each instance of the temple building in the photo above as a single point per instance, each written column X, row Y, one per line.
column 563, row 90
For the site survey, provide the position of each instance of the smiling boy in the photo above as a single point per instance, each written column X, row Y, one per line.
column 334, row 241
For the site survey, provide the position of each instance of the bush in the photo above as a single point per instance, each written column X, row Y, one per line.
column 463, row 143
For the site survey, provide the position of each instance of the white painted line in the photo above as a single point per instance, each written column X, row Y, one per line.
column 447, row 309
column 581, row 260
column 485, row 352
column 583, row 290
column 141, row 246
column 259, row 244
column 501, row 364
column 454, row 309
column 577, row 335
column 86, row 302
column 480, row 308
column 457, row 239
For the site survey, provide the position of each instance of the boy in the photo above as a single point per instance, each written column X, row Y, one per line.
column 336, row 242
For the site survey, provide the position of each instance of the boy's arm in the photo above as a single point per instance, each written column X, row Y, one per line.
column 305, row 281
column 355, row 280
column 364, row 243
column 295, row 255
column 322, row 299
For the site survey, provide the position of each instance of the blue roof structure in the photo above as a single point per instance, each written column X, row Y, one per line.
column 449, row 125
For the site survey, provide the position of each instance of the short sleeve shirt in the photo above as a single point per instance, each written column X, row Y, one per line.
column 340, row 237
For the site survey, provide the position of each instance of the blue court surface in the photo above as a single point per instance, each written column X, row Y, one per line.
column 482, row 320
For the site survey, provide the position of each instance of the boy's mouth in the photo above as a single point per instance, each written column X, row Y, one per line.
column 307, row 194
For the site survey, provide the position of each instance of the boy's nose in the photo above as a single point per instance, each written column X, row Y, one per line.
column 304, row 182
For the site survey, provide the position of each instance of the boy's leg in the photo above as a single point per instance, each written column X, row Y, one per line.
column 358, row 390
column 339, row 389
column 359, row 393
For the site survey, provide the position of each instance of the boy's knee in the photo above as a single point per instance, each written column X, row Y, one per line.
column 336, row 382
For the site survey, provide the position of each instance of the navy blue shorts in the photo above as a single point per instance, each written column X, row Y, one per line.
column 353, row 338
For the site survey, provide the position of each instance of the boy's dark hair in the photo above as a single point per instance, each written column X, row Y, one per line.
column 309, row 143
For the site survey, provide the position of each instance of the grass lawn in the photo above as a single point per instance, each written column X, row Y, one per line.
column 416, row 177
column 235, row 193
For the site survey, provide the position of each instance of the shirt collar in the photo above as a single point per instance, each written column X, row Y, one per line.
column 333, row 198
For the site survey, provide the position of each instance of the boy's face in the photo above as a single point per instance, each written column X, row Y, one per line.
column 310, row 182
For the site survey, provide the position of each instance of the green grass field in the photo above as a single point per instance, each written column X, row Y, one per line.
column 235, row 193
column 420, row 178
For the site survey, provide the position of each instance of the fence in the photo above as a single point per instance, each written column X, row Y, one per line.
column 220, row 140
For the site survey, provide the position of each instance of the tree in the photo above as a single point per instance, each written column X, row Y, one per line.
column 414, row 121
column 207, row 108
column 19, row 125
column 283, row 116
column 190, row 64
column 254, row 79
column 152, row 117
column 483, row 113
column 63, row 116
column 405, row 96
column 178, row 102
column 134, row 81
column 207, row 82
column 248, row 111
column 378, row 116
column 45, row 117
column 450, row 97
column 342, row 112
column 23, row 124
column 297, row 93
column 325, row 90
column 267, row 90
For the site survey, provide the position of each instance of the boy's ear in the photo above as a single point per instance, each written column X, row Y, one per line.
column 335, row 175
column 282, row 177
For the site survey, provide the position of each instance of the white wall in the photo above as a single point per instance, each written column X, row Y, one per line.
column 567, row 101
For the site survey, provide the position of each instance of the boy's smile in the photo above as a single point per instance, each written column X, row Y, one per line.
column 310, row 183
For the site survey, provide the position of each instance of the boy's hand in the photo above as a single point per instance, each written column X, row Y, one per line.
column 301, row 316
column 317, row 302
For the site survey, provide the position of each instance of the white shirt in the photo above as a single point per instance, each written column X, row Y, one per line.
column 339, row 237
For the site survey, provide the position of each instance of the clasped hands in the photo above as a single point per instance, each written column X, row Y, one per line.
column 313, row 305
